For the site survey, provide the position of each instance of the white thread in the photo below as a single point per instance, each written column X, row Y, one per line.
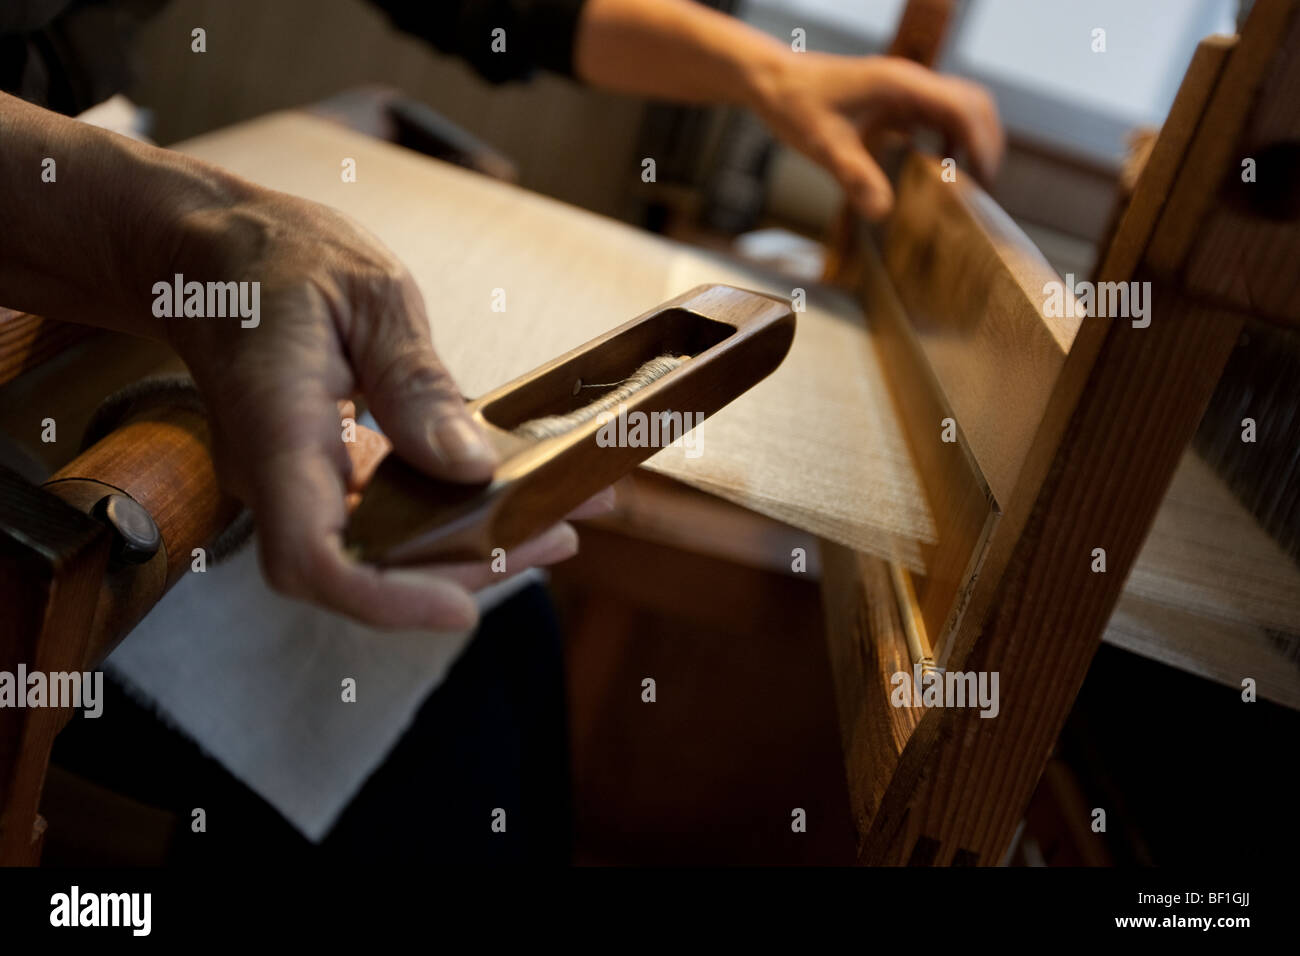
column 552, row 425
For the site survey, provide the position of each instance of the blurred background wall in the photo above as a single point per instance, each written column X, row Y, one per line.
column 1070, row 111
column 568, row 141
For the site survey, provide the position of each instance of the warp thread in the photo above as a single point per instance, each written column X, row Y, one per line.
column 551, row 426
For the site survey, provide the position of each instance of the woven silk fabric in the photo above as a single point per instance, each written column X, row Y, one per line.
column 511, row 279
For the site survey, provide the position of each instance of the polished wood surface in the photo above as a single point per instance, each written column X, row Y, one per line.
column 158, row 452
column 733, row 338
column 28, row 341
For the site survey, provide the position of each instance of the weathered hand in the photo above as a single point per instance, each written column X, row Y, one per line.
column 826, row 106
column 339, row 316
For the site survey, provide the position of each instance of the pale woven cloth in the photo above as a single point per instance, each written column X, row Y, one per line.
column 257, row 681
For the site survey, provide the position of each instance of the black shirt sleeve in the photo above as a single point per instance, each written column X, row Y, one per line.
column 68, row 55
column 539, row 34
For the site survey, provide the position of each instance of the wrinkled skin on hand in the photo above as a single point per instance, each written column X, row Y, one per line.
column 339, row 317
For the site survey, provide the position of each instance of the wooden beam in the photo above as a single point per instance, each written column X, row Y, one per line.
column 27, row 341
column 52, row 560
column 1125, row 402
column 1137, row 412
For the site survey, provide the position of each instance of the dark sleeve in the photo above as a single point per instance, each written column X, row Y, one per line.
column 68, row 55
column 539, row 34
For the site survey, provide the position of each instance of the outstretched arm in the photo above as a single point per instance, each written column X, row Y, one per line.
column 820, row 104
column 340, row 316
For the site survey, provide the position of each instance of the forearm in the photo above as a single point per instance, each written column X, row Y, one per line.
column 675, row 50
column 89, row 245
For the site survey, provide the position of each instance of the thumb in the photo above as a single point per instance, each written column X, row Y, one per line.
column 415, row 401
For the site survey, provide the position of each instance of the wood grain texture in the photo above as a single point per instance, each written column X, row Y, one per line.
column 27, row 341
column 159, row 452
column 71, row 387
column 68, row 602
column 1103, row 490
column 159, row 455
column 867, row 644
column 1071, row 380
column 52, row 558
column 972, row 289
column 1136, row 243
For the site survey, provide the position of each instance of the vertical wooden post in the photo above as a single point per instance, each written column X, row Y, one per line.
column 1103, row 461
column 1139, row 408
column 52, row 561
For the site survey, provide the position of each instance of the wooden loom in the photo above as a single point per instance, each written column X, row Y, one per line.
column 1076, row 446
column 1068, row 436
